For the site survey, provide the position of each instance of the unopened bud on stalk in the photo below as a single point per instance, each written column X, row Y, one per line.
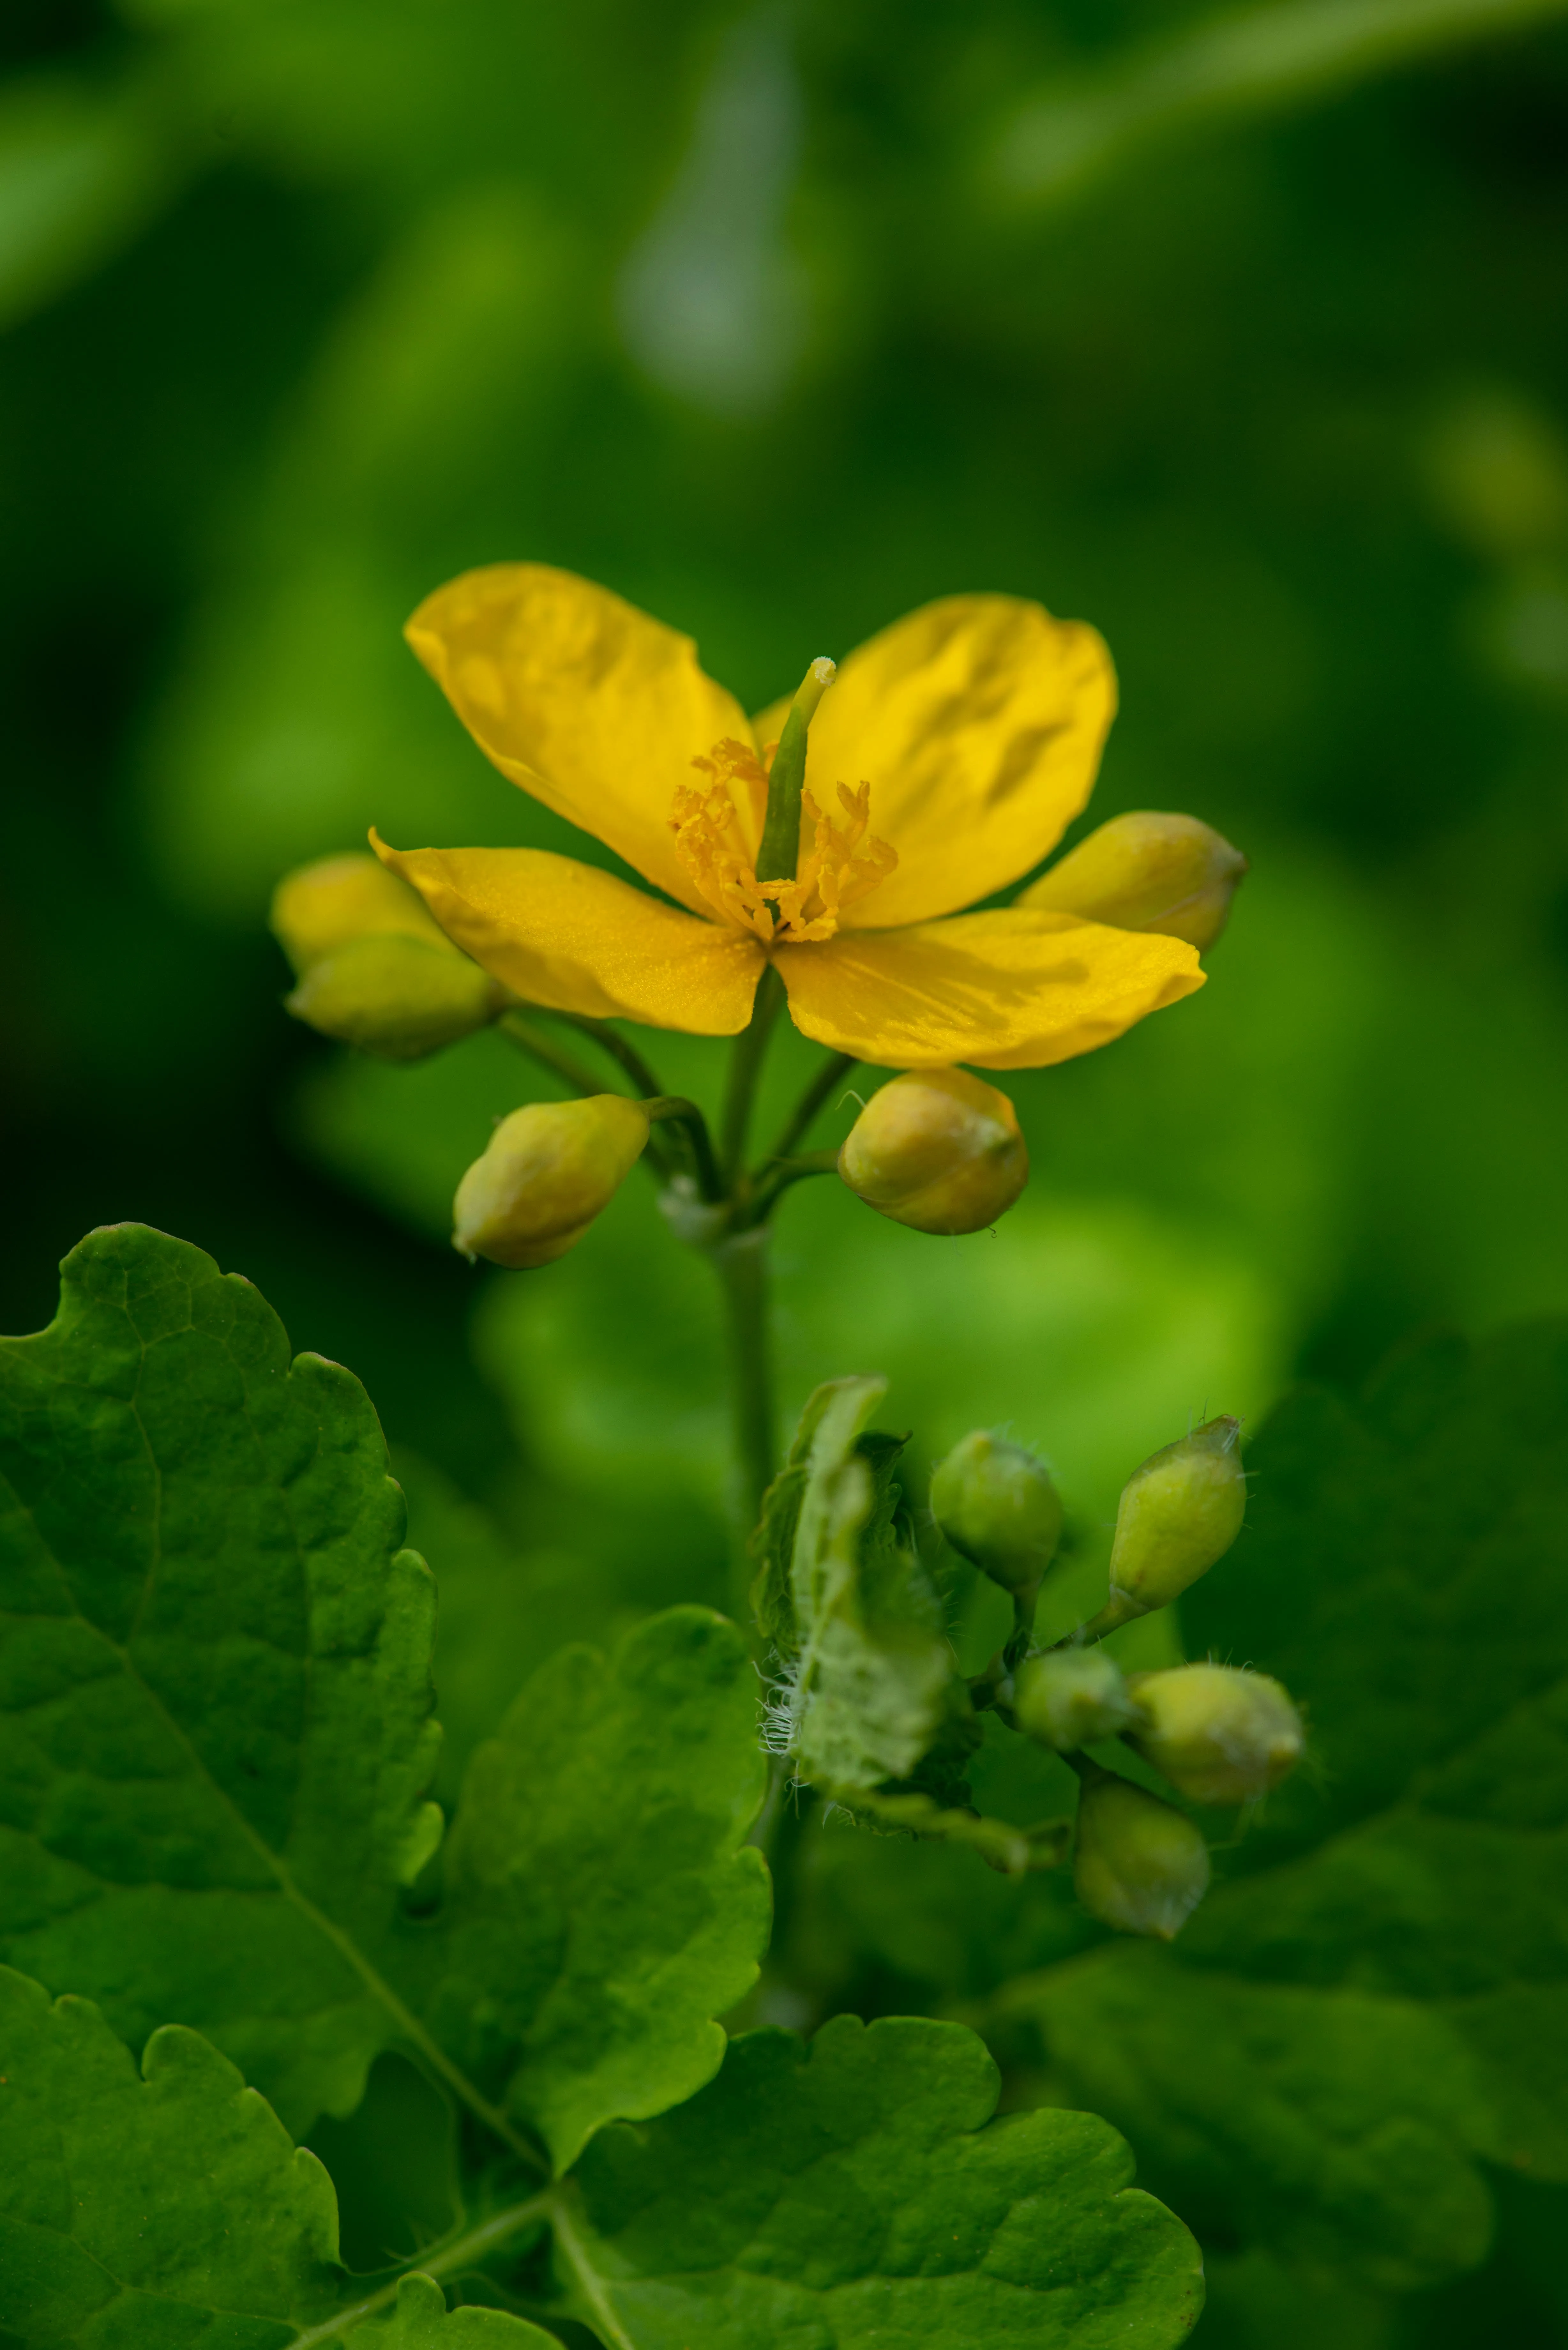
column 938, row 1149
column 998, row 1507
column 1071, row 1696
column 324, row 906
column 374, row 969
column 1179, row 1513
column 1219, row 1736
column 549, row 1171
column 1139, row 1864
column 1171, row 874
column 396, row 997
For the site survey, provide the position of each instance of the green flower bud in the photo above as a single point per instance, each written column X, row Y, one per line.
column 1179, row 1513
column 937, row 1149
column 396, row 995
column 322, row 907
column 1171, row 874
column 1140, row 1864
column 549, row 1171
column 1071, row 1696
column 1219, row 1736
column 997, row 1506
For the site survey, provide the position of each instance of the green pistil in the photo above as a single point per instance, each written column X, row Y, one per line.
column 780, row 850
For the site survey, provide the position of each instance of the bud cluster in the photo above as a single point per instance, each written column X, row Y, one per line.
column 1217, row 1735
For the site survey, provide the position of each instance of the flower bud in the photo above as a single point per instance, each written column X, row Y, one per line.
column 549, row 1171
column 1219, row 1736
column 1071, row 1696
column 1179, row 1512
column 997, row 1506
column 323, row 906
column 1140, row 1864
column 938, row 1149
column 396, row 995
column 1147, row 872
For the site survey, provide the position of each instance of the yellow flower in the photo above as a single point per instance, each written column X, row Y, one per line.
column 945, row 761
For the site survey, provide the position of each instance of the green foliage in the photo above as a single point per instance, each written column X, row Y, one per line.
column 419, row 2320
column 218, row 1707
column 601, row 1908
column 145, row 2208
column 1376, row 2003
column 219, row 1727
column 857, row 2191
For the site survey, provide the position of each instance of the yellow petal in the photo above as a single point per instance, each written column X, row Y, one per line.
column 1013, row 990
column 581, row 699
column 978, row 722
column 575, row 939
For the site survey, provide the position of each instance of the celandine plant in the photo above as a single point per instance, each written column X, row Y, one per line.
column 815, row 857
column 225, row 1891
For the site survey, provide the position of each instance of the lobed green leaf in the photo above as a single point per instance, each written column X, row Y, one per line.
column 216, row 1729
column 215, row 1706
column 601, row 1905
column 857, row 2190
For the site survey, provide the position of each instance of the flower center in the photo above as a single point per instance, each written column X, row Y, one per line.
column 844, row 862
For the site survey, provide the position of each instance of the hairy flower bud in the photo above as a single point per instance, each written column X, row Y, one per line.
column 324, row 906
column 1071, row 1696
column 549, row 1171
column 1147, row 872
column 998, row 1507
column 1139, row 1864
column 1179, row 1513
column 396, row 995
column 1219, row 1736
column 938, row 1149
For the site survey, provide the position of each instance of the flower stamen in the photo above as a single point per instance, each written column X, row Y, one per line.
column 844, row 864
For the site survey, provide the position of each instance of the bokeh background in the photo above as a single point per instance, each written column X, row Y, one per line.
column 1245, row 340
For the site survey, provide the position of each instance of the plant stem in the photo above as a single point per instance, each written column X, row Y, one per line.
column 686, row 1116
column 740, row 1262
column 777, row 1178
column 609, row 1040
column 837, row 1065
column 459, row 2252
column 548, row 1054
column 745, row 1067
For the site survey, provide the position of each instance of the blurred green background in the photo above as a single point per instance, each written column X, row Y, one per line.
column 1247, row 341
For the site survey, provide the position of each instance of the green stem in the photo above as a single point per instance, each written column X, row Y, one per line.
column 441, row 2260
column 686, row 1116
column 837, row 1065
column 543, row 1049
column 609, row 1040
column 1118, row 1610
column 777, row 1180
column 745, row 1067
column 740, row 1262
